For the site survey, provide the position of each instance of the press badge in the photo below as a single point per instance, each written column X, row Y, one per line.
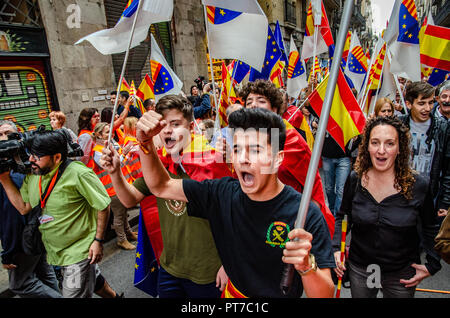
column 45, row 219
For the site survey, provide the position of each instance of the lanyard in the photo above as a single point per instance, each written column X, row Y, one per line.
column 49, row 189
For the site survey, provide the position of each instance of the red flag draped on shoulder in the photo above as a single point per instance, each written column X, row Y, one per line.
column 199, row 160
column 346, row 118
column 294, row 168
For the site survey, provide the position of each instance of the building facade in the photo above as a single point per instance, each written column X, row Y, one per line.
column 42, row 70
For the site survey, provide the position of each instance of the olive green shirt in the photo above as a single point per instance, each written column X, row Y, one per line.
column 73, row 204
column 189, row 249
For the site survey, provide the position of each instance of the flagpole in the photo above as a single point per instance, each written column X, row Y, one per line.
column 288, row 272
column 372, row 106
column 133, row 27
column 397, row 84
column 217, row 123
column 298, row 107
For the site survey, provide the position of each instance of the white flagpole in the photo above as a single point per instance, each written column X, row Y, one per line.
column 298, row 107
column 397, row 84
column 217, row 122
column 372, row 105
column 123, row 69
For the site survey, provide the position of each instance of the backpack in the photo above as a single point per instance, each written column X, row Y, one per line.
column 31, row 236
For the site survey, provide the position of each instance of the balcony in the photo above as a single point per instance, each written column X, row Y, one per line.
column 290, row 13
column 442, row 13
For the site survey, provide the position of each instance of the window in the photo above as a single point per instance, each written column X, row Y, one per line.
column 20, row 12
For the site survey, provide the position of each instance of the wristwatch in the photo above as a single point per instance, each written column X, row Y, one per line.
column 313, row 267
column 99, row 240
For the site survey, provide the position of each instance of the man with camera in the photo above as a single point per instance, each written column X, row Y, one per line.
column 30, row 276
column 75, row 209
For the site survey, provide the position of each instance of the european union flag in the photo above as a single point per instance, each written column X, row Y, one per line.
column 280, row 42
column 295, row 68
column 240, row 70
column 273, row 54
column 331, row 49
column 163, row 80
column 355, row 61
column 146, row 266
column 437, row 76
column 219, row 15
column 408, row 26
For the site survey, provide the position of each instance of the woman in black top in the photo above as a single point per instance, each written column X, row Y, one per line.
column 390, row 212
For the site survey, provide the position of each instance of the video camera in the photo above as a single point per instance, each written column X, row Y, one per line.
column 200, row 81
column 15, row 152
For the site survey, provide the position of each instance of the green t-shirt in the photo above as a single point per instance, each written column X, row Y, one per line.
column 189, row 250
column 73, row 204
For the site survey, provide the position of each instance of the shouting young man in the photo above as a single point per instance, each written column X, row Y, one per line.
column 252, row 218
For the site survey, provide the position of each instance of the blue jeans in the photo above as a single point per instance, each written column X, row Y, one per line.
column 170, row 286
column 335, row 171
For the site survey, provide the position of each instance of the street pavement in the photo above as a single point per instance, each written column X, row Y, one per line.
column 117, row 267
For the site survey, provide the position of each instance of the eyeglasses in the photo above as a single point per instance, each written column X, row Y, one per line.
column 35, row 157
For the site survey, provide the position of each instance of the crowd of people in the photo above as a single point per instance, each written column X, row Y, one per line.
column 220, row 205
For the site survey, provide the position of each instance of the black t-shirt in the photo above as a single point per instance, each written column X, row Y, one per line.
column 250, row 235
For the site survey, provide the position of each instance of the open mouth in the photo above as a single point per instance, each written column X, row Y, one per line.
column 381, row 160
column 248, row 179
column 170, row 142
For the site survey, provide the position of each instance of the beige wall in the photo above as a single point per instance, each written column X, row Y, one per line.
column 189, row 43
column 79, row 71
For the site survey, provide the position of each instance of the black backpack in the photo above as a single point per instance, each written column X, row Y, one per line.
column 31, row 236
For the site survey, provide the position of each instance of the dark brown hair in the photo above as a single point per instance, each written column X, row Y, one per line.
column 415, row 89
column 404, row 177
column 264, row 88
column 175, row 102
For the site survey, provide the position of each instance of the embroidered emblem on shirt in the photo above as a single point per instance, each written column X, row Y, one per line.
column 277, row 234
column 175, row 207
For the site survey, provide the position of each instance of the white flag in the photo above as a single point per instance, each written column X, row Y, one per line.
column 296, row 77
column 115, row 40
column 166, row 82
column 237, row 29
column 405, row 55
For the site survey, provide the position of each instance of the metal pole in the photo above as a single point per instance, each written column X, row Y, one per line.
column 288, row 272
column 298, row 107
column 133, row 27
column 372, row 105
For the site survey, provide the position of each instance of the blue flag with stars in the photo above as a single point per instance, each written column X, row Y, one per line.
column 146, row 266
column 408, row 28
column 437, row 76
column 280, row 42
column 240, row 70
column 273, row 54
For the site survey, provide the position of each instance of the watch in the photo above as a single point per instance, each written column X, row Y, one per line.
column 313, row 267
column 99, row 240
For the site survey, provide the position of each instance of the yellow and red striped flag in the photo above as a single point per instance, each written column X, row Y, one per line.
column 315, row 70
column 435, row 47
column 342, row 255
column 375, row 71
column 276, row 74
column 227, row 93
column 347, row 45
column 346, row 117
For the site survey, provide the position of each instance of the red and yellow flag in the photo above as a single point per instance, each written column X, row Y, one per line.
column 315, row 70
column 276, row 74
column 292, row 172
column 347, row 45
column 346, row 117
column 377, row 67
column 227, row 94
column 324, row 27
column 145, row 89
column 124, row 86
column 435, row 47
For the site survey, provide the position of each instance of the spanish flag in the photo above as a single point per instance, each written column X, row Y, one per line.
column 145, row 89
column 435, row 47
column 124, row 86
column 346, row 118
